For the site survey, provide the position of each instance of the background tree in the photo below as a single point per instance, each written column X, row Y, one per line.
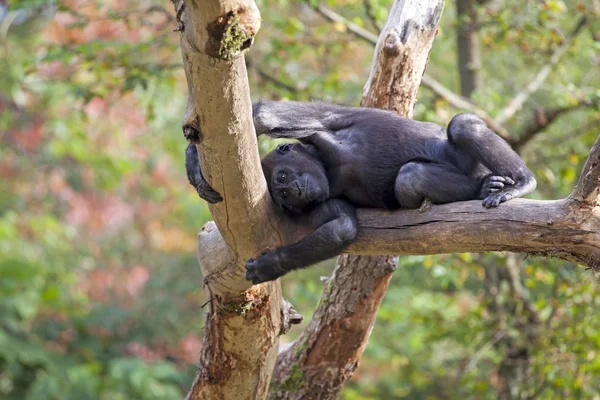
column 99, row 290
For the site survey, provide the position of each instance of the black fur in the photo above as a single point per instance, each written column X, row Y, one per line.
column 363, row 157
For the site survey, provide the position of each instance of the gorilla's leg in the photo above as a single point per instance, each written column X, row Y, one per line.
column 440, row 183
column 470, row 137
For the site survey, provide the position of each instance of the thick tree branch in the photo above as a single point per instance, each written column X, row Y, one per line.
column 560, row 228
column 401, row 55
column 517, row 102
column 244, row 321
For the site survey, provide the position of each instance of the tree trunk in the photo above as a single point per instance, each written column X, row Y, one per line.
column 244, row 321
column 467, row 42
column 326, row 354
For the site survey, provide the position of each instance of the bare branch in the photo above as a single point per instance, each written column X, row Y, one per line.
column 557, row 228
column 351, row 27
column 517, row 102
column 543, row 118
column 271, row 78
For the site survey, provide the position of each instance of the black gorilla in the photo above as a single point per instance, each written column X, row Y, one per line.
column 362, row 157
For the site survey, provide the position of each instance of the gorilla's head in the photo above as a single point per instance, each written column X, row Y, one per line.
column 296, row 176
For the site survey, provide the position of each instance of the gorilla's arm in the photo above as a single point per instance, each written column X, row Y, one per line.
column 296, row 120
column 194, row 173
column 470, row 136
column 336, row 228
column 308, row 122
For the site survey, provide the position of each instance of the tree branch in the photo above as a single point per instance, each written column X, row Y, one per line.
column 244, row 321
column 272, row 79
column 543, row 118
column 525, row 226
column 588, row 187
column 517, row 102
column 325, row 355
column 351, row 27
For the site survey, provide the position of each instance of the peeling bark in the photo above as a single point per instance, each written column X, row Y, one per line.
column 327, row 352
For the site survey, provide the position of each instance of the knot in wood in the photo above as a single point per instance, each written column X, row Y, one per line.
column 392, row 44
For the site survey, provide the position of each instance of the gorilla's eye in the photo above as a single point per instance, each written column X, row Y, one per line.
column 284, row 194
column 284, row 148
column 281, row 177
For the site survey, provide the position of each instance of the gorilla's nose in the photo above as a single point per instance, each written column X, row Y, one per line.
column 299, row 190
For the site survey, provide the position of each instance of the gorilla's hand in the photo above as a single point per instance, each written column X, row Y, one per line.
column 496, row 190
column 267, row 267
column 194, row 173
column 494, row 184
column 206, row 192
column 494, row 200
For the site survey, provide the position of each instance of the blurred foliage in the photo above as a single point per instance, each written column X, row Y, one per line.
column 100, row 292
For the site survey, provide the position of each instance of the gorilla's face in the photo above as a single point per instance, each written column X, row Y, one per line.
column 296, row 176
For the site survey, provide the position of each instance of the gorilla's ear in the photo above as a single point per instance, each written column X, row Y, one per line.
column 284, row 148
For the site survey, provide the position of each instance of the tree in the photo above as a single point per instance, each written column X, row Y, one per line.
column 244, row 322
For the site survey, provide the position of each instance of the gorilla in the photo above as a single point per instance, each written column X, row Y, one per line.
column 349, row 157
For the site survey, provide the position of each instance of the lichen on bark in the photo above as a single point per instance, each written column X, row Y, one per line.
column 229, row 36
